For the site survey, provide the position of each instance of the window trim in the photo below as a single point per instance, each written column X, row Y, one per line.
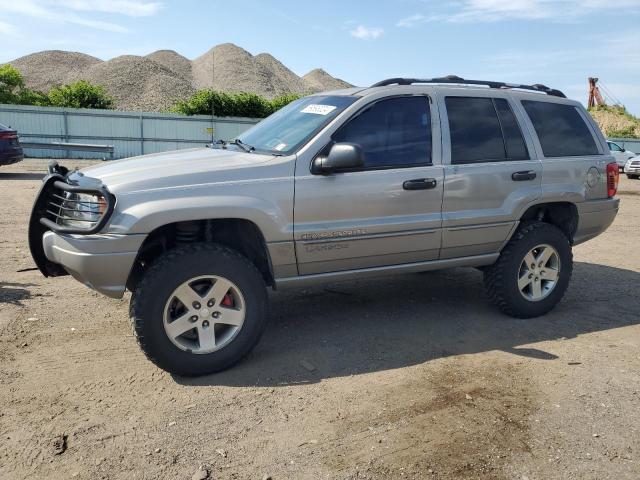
column 361, row 110
column 504, row 140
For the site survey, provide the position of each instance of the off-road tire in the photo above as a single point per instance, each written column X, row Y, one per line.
column 500, row 279
column 172, row 269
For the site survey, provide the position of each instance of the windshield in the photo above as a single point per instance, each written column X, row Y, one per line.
column 291, row 126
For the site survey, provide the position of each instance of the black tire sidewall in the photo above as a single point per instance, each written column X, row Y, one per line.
column 545, row 234
column 162, row 280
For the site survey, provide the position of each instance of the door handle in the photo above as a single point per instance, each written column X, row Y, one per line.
column 420, row 184
column 523, row 176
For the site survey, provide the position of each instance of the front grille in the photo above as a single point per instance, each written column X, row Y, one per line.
column 68, row 208
column 635, row 163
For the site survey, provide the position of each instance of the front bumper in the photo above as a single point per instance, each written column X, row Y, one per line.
column 633, row 170
column 594, row 217
column 9, row 157
column 101, row 262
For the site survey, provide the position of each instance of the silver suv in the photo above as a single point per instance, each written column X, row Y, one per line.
column 407, row 175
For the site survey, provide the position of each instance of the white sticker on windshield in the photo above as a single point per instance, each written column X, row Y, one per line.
column 280, row 146
column 317, row 109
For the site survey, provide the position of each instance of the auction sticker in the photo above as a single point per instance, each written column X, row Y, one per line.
column 318, row 109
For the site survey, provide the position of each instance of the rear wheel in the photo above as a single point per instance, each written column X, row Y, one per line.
column 199, row 309
column 532, row 272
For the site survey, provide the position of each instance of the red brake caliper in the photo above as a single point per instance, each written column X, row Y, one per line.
column 227, row 301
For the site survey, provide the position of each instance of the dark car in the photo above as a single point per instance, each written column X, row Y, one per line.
column 10, row 149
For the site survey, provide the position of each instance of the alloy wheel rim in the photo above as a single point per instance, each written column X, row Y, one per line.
column 204, row 314
column 539, row 273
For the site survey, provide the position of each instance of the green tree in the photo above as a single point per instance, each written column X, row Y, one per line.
column 80, row 94
column 11, row 83
column 231, row 104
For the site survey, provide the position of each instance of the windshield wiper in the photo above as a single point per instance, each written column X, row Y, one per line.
column 242, row 145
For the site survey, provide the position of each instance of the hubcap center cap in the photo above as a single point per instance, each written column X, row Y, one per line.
column 204, row 312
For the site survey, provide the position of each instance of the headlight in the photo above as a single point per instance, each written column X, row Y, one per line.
column 81, row 211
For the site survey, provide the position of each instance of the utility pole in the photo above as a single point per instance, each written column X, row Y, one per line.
column 213, row 112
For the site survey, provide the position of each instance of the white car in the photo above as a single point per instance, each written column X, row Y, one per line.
column 620, row 154
column 632, row 168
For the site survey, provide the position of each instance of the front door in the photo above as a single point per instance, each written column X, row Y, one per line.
column 387, row 212
column 489, row 176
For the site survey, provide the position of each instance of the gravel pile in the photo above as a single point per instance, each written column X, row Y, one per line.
column 230, row 68
column 280, row 78
column 174, row 62
column 137, row 83
column 318, row 80
column 42, row 70
column 156, row 81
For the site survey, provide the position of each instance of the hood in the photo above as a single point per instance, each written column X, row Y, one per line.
column 177, row 168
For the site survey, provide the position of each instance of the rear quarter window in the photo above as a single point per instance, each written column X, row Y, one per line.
column 561, row 129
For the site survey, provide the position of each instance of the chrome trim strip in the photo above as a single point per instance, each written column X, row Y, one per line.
column 369, row 236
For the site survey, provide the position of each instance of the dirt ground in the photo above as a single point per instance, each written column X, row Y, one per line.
column 405, row 377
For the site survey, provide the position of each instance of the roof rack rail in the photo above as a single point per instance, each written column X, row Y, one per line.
column 457, row 80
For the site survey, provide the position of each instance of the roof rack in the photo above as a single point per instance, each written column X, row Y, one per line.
column 461, row 81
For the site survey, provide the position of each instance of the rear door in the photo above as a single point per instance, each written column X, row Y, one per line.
column 386, row 213
column 573, row 152
column 490, row 174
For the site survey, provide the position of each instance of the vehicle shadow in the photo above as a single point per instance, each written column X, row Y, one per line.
column 382, row 324
column 14, row 293
column 21, row 176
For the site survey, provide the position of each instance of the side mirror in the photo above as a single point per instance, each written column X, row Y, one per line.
column 341, row 156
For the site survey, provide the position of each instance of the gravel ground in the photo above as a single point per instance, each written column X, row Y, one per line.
column 418, row 377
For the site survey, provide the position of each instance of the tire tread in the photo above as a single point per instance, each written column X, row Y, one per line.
column 157, row 269
column 494, row 276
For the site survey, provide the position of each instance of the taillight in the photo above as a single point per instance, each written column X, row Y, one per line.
column 613, row 177
column 8, row 135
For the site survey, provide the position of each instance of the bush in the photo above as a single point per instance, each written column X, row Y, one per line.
column 33, row 97
column 282, row 101
column 231, row 104
column 80, row 94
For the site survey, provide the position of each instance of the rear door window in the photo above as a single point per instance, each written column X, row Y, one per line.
column 561, row 129
column 483, row 130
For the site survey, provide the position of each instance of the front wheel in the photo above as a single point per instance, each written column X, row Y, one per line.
column 532, row 272
column 199, row 309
